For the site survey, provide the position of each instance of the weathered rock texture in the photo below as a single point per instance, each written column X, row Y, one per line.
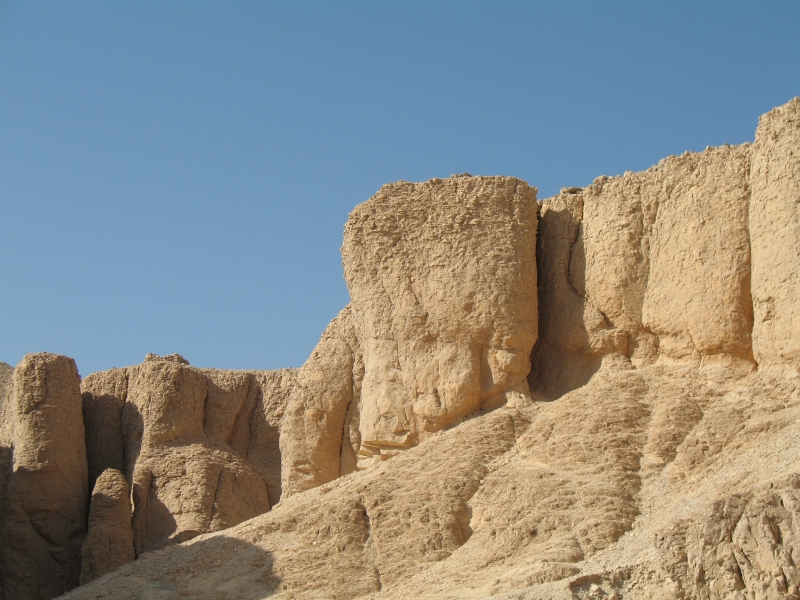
column 645, row 267
column 109, row 541
column 319, row 413
column 442, row 277
column 775, row 238
column 198, row 447
column 43, row 518
column 605, row 407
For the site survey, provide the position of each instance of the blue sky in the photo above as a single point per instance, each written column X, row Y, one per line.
column 175, row 176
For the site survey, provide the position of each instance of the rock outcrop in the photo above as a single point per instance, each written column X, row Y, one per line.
column 319, row 414
column 775, row 238
column 43, row 518
column 595, row 396
column 647, row 266
column 442, row 277
column 194, row 444
column 109, row 540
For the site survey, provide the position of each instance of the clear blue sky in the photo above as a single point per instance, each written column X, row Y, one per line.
column 175, row 176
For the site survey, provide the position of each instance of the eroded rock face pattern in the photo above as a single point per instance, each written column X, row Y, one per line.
column 667, row 466
column 320, row 411
column 109, row 540
column 647, row 266
column 742, row 546
column 43, row 519
column 198, row 447
column 775, row 238
column 442, row 277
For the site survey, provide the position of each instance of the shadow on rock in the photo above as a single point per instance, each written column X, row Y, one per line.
column 190, row 571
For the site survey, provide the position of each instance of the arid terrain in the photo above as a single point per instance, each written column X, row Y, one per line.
column 591, row 396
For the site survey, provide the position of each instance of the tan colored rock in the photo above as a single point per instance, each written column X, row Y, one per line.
column 109, row 541
column 542, row 500
column 316, row 445
column 442, row 278
column 666, row 468
column 104, row 396
column 199, row 447
column 698, row 289
column 644, row 267
column 182, row 490
column 775, row 238
column 186, row 435
column 44, row 513
column 264, row 453
column 743, row 546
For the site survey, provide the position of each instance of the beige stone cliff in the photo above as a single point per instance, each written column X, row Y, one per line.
column 442, row 277
column 43, row 507
column 593, row 396
column 199, row 447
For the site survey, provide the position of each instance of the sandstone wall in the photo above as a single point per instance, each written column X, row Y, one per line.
column 315, row 435
column 109, row 540
column 442, row 278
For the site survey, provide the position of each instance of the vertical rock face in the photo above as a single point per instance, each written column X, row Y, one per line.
column 775, row 233
column 44, row 517
column 104, row 396
column 199, row 447
column 442, row 278
column 263, row 451
column 647, row 266
column 697, row 300
column 109, row 541
column 317, row 419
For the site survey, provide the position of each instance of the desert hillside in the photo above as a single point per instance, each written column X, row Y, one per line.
column 591, row 396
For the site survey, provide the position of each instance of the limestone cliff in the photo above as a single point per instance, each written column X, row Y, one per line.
column 199, row 447
column 46, row 480
column 592, row 396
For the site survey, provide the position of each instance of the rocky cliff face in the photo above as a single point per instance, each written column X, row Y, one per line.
column 194, row 444
column 46, row 479
column 592, row 396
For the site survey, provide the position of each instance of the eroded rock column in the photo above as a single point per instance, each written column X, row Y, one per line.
column 44, row 520
column 442, row 278
column 109, row 541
